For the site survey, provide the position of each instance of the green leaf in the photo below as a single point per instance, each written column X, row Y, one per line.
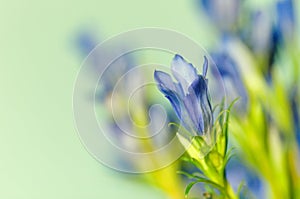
column 203, row 180
column 244, row 192
column 228, row 156
column 215, row 107
column 174, row 124
column 190, row 176
column 195, row 175
column 221, row 110
column 186, row 158
column 227, row 121
column 196, row 163
column 192, row 161
column 241, row 185
column 188, row 188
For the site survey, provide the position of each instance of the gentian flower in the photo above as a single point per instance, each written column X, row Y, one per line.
column 263, row 41
column 238, row 172
column 228, row 69
column 260, row 39
column 285, row 18
column 86, row 42
column 224, row 13
column 188, row 96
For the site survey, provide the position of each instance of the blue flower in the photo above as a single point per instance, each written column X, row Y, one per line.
column 188, row 96
column 224, row 13
column 285, row 18
column 86, row 42
column 239, row 174
column 227, row 67
column 260, row 39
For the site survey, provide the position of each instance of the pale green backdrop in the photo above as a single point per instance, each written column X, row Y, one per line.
column 41, row 156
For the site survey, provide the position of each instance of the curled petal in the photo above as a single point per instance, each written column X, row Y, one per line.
column 164, row 81
column 168, row 88
column 184, row 72
column 175, row 102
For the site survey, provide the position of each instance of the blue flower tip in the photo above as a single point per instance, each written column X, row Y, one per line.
column 178, row 57
column 156, row 73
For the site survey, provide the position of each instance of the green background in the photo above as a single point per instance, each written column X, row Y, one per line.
column 41, row 154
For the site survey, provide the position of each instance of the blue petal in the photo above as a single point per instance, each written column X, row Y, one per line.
column 164, row 81
column 200, row 90
column 168, row 88
column 198, row 87
column 191, row 104
column 228, row 69
column 184, row 72
column 175, row 102
column 86, row 42
column 285, row 12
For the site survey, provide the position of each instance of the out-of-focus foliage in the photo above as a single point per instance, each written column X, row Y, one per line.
column 263, row 42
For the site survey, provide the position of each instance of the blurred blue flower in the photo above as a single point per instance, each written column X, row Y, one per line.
column 189, row 97
column 228, row 69
column 263, row 41
column 260, row 31
column 285, row 18
column 86, row 42
column 296, row 113
column 224, row 13
column 238, row 173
